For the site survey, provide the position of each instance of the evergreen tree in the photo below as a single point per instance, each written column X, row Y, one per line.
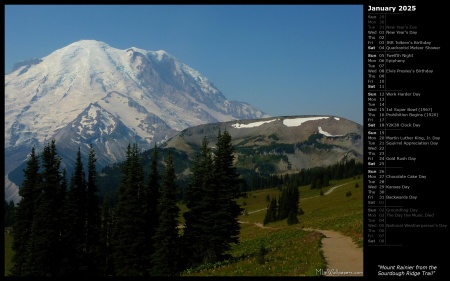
column 288, row 203
column 292, row 218
column 93, row 216
column 152, row 195
column 45, row 249
column 271, row 214
column 283, row 204
column 261, row 257
column 294, row 197
column 106, row 262
column 211, row 224
column 25, row 210
column 129, row 236
column 75, row 224
column 165, row 258
column 9, row 213
column 200, row 201
column 326, row 181
column 226, row 227
column 314, row 183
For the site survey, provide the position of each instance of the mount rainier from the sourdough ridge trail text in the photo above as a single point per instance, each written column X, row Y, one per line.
column 91, row 93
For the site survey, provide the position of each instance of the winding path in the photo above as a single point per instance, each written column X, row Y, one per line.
column 341, row 254
column 343, row 257
column 328, row 191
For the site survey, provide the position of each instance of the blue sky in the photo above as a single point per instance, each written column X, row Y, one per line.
column 283, row 59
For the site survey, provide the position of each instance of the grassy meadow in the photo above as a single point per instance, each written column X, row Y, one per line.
column 278, row 249
column 291, row 250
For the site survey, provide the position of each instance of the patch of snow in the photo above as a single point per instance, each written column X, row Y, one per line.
column 251, row 125
column 327, row 134
column 298, row 121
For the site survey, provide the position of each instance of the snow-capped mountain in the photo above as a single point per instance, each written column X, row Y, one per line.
column 91, row 93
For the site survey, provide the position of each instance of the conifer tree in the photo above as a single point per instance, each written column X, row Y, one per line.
column 152, row 195
column 211, row 224
column 294, row 197
column 283, row 204
column 296, row 200
column 129, row 233
column 200, row 200
column 75, row 221
column 271, row 214
column 45, row 249
column 25, row 210
column 93, row 216
column 226, row 229
column 106, row 262
column 289, row 203
column 9, row 213
column 165, row 259
column 292, row 218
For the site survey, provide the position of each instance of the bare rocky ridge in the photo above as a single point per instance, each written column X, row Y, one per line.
column 305, row 142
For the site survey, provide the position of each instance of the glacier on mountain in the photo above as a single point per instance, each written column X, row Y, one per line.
column 91, row 93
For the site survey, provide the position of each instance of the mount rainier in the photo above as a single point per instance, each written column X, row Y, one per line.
column 91, row 93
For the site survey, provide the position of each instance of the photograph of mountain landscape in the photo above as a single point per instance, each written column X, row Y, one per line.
column 183, row 140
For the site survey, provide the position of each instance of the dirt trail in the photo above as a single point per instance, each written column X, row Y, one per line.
column 343, row 257
column 260, row 225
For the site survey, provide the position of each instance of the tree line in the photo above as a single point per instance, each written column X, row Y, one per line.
column 287, row 205
column 317, row 177
column 61, row 227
